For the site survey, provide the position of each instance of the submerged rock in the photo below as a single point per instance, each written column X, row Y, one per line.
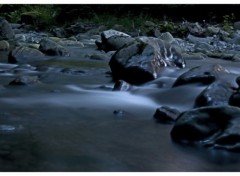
column 23, row 54
column 217, row 127
column 166, row 114
column 141, row 60
column 205, row 74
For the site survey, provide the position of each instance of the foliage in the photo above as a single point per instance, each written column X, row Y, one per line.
column 227, row 22
column 42, row 14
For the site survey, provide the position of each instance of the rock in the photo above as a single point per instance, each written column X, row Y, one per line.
column 236, row 25
column 217, row 94
column 167, row 37
column 195, row 29
column 79, row 28
column 16, row 25
column 205, row 74
column 224, row 56
column 234, row 100
column 31, row 37
column 4, row 45
column 166, row 114
column 30, row 45
column 25, row 80
column 196, row 40
column 52, row 48
column 203, row 48
column 194, row 56
column 217, row 127
column 121, row 85
column 148, row 29
column 99, row 57
column 23, row 54
column 149, row 24
column 141, row 60
column 70, row 43
column 213, row 30
column 119, row 113
column 235, row 39
column 6, row 31
column 58, row 32
column 113, row 40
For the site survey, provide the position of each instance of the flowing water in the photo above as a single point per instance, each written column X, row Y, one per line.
column 73, row 121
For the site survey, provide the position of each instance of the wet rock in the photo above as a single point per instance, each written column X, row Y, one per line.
column 23, row 54
column 52, row 48
column 217, row 127
column 4, row 45
column 166, row 114
column 217, row 94
column 205, row 74
column 6, row 31
column 141, row 60
column 25, row 80
column 113, row 40
column 121, row 85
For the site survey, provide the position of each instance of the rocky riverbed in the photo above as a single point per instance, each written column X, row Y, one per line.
column 105, row 100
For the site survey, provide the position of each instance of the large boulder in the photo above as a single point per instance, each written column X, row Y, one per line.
column 141, row 60
column 205, row 74
column 52, row 48
column 216, row 94
column 23, row 54
column 217, row 127
column 6, row 31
